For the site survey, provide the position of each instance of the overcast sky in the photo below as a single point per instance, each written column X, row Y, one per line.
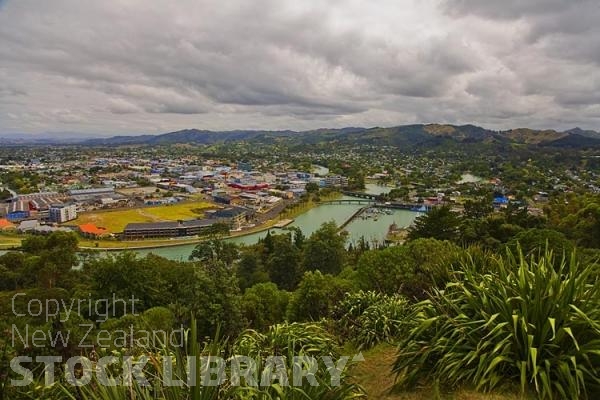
column 148, row 66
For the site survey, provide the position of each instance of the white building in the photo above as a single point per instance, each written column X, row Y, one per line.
column 62, row 212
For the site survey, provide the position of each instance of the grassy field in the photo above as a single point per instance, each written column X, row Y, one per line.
column 110, row 244
column 375, row 376
column 9, row 241
column 116, row 220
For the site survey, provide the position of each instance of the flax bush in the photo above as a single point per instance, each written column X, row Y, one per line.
column 535, row 321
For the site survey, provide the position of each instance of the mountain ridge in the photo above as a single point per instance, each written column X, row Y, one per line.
column 432, row 134
column 413, row 134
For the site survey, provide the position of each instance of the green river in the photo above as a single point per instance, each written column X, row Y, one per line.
column 372, row 230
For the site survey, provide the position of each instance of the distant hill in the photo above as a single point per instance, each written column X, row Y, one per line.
column 530, row 136
column 405, row 136
column 187, row 136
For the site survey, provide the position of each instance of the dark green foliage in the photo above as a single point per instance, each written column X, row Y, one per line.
column 48, row 261
column 316, row 296
column 477, row 209
column 440, row 223
column 283, row 262
column 207, row 290
column 325, row 250
column 312, row 187
column 535, row 240
column 412, row 269
column 264, row 305
column 250, row 269
column 216, row 250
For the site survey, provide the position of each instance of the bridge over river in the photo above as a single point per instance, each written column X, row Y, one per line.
column 376, row 201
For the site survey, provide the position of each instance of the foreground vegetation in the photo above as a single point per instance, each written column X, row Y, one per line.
column 508, row 312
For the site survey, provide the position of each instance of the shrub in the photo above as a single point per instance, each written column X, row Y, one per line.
column 290, row 340
column 535, row 321
column 369, row 318
column 316, row 296
column 281, row 339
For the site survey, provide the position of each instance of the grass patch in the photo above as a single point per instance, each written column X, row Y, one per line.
column 116, row 220
column 9, row 241
column 376, row 377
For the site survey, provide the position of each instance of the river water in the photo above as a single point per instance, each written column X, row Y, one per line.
column 374, row 230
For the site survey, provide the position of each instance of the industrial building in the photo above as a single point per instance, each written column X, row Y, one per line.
column 155, row 230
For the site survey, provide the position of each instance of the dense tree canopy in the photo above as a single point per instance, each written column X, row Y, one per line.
column 440, row 223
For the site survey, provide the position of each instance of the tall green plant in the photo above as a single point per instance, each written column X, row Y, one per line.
column 535, row 321
column 290, row 341
column 157, row 376
column 368, row 318
column 287, row 340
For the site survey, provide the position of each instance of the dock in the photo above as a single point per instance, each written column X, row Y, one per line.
column 352, row 217
column 283, row 223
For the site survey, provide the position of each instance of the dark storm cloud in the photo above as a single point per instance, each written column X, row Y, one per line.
column 140, row 65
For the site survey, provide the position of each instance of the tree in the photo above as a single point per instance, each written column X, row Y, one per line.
column 316, row 296
column 217, row 300
column 216, row 250
column 439, row 223
column 55, row 256
column 534, row 241
column 325, row 250
column 158, row 318
column 208, row 290
column 587, row 228
column 312, row 187
column 412, row 269
column 250, row 270
column 284, row 262
column 13, row 275
column 384, row 270
column 299, row 237
column 264, row 305
column 477, row 209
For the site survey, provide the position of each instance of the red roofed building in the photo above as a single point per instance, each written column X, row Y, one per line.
column 6, row 224
column 249, row 187
column 92, row 231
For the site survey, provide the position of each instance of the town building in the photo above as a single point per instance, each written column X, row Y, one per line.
column 28, row 226
column 6, row 225
column 155, row 230
column 92, row 231
column 235, row 217
column 60, row 213
column 18, row 210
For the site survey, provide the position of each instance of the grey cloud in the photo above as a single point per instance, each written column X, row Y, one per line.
column 11, row 92
column 510, row 9
column 121, row 106
column 137, row 65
